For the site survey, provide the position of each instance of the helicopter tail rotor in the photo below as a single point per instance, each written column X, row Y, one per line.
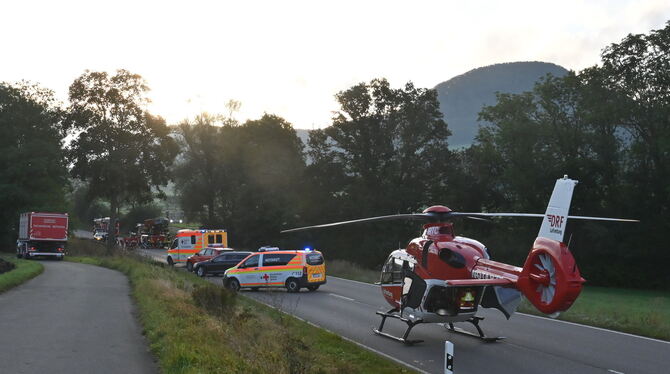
column 550, row 279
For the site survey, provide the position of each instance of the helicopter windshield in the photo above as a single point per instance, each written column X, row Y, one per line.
column 392, row 270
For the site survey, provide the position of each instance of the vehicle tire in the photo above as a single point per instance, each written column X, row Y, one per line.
column 292, row 285
column 313, row 288
column 170, row 261
column 201, row 271
column 61, row 258
column 233, row 284
column 189, row 266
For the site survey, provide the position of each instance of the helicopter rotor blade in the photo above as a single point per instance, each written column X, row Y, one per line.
column 411, row 216
column 542, row 216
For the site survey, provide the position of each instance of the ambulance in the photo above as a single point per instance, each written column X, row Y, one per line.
column 190, row 242
column 278, row 268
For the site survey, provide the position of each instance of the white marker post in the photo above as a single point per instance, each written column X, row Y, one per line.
column 448, row 357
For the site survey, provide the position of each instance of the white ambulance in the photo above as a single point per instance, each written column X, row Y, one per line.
column 190, row 242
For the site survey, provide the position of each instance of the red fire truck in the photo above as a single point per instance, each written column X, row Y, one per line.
column 42, row 235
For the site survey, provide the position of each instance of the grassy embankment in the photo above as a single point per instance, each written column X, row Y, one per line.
column 194, row 326
column 23, row 271
column 638, row 312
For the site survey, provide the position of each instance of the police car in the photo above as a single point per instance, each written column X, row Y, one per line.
column 272, row 267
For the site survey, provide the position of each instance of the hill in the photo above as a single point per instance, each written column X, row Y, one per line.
column 462, row 97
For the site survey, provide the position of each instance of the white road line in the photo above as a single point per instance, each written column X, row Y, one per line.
column 614, row 371
column 547, row 319
column 354, row 281
column 341, row 297
column 596, row 328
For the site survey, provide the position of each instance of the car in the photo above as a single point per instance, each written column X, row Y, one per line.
column 220, row 263
column 292, row 269
column 100, row 235
column 204, row 255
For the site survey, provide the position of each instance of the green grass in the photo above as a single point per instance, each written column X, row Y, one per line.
column 640, row 312
column 349, row 270
column 194, row 326
column 24, row 270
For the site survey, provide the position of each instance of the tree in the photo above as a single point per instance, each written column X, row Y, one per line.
column 200, row 171
column 121, row 150
column 386, row 152
column 244, row 178
column 33, row 174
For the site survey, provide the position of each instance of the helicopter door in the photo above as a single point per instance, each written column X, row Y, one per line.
column 413, row 287
column 392, row 280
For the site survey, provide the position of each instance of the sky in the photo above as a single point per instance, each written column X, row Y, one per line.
column 290, row 58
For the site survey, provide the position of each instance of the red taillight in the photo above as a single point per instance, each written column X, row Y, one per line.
column 60, row 249
column 304, row 270
column 32, row 249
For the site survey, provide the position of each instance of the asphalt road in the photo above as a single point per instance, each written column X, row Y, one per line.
column 532, row 344
column 74, row 318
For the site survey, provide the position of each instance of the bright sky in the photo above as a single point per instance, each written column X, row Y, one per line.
column 290, row 57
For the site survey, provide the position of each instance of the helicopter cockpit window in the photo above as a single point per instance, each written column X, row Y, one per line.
column 392, row 271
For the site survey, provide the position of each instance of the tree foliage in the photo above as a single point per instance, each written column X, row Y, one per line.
column 244, row 178
column 120, row 149
column 386, row 152
column 33, row 174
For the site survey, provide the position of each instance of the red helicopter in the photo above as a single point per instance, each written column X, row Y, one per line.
column 444, row 278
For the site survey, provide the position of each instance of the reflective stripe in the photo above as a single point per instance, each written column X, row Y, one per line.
column 263, row 284
column 267, row 269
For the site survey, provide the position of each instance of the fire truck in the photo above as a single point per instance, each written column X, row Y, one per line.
column 155, row 233
column 101, row 228
column 42, row 235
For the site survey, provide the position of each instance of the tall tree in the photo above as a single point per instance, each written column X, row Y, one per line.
column 386, row 152
column 121, row 150
column 33, row 174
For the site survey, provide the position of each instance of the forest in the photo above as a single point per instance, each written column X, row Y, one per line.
column 386, row 152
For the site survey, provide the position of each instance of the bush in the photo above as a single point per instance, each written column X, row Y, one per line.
column 217, row 301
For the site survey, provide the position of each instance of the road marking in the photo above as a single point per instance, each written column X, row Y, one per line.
column 614, row 371
column 548, row 319
column 350, row 280
column 596, row 328
column 341, row 297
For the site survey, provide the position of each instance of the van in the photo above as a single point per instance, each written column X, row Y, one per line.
column 290, row 269
column 189, row 242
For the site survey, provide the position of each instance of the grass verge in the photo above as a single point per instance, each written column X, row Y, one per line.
column 194, row 326
column 25, row 270
column 639, row 312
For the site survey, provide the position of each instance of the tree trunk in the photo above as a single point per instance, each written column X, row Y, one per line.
column 111, row 230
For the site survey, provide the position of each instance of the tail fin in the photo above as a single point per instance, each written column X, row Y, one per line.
column 556, row 216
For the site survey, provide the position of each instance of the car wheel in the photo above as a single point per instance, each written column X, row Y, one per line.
column 189, row 266
column 201, row 271
column 313, row 288
column 234, row 285
column 292, row 285
column 170, row 261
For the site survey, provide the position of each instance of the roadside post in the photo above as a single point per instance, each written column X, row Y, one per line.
column 448, row 357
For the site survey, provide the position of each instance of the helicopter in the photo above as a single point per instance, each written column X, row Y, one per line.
column 444, row 278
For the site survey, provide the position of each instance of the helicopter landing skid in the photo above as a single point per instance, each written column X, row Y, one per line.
column 393, row 313
column 475, row 321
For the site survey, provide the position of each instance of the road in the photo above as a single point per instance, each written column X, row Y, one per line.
column 73, row 318
column 532, row 344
